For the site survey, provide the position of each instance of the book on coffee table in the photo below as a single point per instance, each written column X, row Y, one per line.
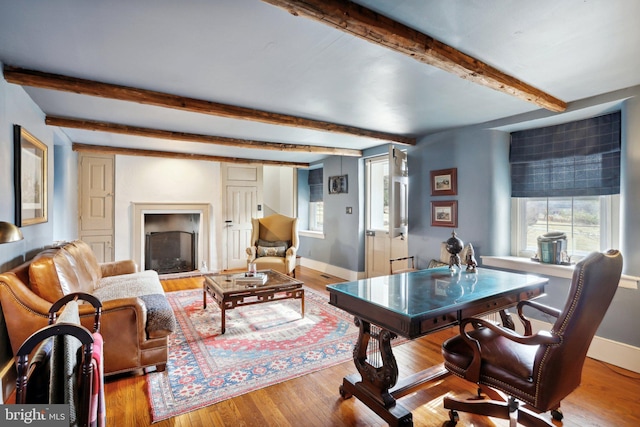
column 257, row 279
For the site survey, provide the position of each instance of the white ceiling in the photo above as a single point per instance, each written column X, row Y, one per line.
column 249, row 53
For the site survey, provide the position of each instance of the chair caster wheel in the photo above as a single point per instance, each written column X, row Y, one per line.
column 557, row 415
column 453, row 417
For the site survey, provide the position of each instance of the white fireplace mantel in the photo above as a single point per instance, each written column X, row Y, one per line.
column 139, row 211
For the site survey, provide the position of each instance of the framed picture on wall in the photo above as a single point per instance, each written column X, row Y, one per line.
column 444, row 214
column 444, row 182
column 30, row 178
column 338, row 184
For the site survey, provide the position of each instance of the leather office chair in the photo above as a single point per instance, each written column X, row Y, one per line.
column 535, row 371
column 274, row 241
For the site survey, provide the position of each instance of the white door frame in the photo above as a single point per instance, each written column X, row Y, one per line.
column 234, row 176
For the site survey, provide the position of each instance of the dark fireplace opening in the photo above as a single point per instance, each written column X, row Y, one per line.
column 170, row 251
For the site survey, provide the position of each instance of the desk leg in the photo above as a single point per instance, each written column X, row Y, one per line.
column 377, row 375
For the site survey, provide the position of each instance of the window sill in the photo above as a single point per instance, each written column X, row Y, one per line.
column 309, row 233
column 562, row 271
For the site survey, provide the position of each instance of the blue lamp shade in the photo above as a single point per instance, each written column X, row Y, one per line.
column 9, row 232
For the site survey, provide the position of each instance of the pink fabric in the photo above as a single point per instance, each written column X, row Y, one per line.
column 98, row 410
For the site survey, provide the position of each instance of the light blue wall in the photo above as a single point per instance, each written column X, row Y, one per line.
column 481, row 158
column 303, row 199
column 343, row 242
column 65, row 189
column 630, row 186
column 16, row 107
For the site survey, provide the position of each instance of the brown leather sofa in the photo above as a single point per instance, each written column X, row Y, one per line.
column 136, row 316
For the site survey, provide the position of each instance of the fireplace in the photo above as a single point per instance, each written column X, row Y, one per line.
column 170, row 251
column 171, row 237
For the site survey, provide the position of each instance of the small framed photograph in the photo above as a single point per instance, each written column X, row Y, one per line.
column 338, row 184
column 444, row 214
column 30, row 178
column 444, row 182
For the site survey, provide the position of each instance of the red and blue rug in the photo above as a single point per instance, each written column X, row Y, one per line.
column 264, row 344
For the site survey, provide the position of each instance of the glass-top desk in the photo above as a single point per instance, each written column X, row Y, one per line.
column 412, row 305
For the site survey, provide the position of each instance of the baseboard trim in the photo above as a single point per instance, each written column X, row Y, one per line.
column 343, row 273
column 613, row 352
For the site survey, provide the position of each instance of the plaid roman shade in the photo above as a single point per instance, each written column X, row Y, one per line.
column 580, row 158
column 315, row 185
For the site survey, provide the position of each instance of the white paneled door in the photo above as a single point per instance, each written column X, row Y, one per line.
column 243, row 201
column 96, row 204
column 387, row 184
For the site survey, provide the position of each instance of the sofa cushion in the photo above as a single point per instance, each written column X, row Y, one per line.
column 53, row 276
column 84, row 277
column 145, row 285
column 87, row 265
column 128, row 285
column 272, row 263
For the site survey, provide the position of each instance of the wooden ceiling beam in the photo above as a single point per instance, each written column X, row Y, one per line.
column 92, row 125
column 59, row 82
column 361, row 22
column 103, row 149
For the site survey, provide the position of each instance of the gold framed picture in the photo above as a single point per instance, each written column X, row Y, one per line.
column 30, row 178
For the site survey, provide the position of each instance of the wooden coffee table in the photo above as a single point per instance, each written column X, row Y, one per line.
column 228, row 295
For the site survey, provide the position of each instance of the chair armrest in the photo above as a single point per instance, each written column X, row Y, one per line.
column 117, row 268
column 473, row 371
column 24, row 311
column 291, row 252
column 540, row 307
column 251, row 253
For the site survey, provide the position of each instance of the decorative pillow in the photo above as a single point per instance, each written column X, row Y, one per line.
column 271, row 251
column 270, row 244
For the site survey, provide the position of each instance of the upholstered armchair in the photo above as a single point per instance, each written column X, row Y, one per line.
column 274, row 242
column 527, row 375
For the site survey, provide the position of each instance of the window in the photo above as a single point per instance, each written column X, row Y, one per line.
column 316, row 204
column 310, row 200
column 378, row 193
column 566, row 178
column 316, row 216
column 590, row 223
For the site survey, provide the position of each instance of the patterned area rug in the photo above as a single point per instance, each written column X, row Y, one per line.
column 264, row 344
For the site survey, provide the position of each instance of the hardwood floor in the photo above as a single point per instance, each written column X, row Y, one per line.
column 607, row 396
